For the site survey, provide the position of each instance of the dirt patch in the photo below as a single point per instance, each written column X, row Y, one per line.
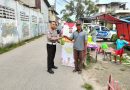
column 101, row 70
column 98, row 73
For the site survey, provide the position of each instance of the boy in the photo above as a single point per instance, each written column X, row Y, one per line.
column 120, row 43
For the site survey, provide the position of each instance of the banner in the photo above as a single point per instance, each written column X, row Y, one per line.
column 67, row 54
column 67, row 48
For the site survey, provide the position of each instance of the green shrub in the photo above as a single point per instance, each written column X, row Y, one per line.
column 87, row 86
column 114, row 37
column 15, row 45
column 127, row 47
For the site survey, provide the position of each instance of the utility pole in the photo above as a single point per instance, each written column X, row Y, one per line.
column 55, row 4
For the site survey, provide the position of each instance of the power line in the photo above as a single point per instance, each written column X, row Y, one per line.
column 59, row 4
column 66, row 1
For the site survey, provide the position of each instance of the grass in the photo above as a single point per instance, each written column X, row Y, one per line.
column 123, row 69
column 124, row 60
column 15, row 45
column 89, row 60
column 88, row 86
column 87, row 66
column 10, row 47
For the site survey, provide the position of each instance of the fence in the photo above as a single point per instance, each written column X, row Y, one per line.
column 112, row 84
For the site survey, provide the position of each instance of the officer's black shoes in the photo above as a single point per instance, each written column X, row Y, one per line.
column 50, row 71
column 55, row 67
column 75, row 70
column 80, row 71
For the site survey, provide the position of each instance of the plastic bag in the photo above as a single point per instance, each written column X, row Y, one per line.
column 89, row 38
column 62, row 42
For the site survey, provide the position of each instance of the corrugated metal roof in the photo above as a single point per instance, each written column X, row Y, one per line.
column 126, row 19
column 30, row 3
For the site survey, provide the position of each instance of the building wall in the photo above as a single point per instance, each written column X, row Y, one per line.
column 18, row 22
column 114, row 8
column 45, row 12
column 8, row 25
column 52, row 16
column 109, row 8
column 102, row 9
column 31, row 3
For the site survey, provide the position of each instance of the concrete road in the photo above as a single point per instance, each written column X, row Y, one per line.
column 24, row 68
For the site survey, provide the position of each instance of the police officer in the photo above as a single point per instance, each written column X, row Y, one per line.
column 52, row 38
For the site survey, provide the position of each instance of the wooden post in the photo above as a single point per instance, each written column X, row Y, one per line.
column 112, row 84
column 109, row 88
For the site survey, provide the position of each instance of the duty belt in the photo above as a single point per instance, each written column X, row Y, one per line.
column 51, row 43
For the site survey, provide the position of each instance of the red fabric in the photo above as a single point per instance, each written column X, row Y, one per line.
column 124, row 28
column 129, row 32
column 119, row 52
column 70, row 24
column 109, row 18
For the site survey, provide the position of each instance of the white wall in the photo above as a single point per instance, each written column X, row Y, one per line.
column 28, row 23
column 102, row 9
column 8, row 27
column 44, row 11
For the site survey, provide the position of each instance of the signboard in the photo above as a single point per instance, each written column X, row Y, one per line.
column 67, row 48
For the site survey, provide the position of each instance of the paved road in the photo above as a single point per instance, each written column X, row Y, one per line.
column 24, row 68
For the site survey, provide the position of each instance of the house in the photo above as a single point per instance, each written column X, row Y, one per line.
column 52, row 11
column 45, row 11
column 111, row 7
column 102, row 8
column 122, row 13
column 29, row 3
column 52, row 14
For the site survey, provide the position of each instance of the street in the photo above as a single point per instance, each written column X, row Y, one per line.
column 25, row 68
column 95, row 33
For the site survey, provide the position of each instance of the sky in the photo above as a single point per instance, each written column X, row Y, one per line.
column 60, row 4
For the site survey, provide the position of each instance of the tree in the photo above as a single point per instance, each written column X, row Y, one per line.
column 69, row 20
column 79, row 8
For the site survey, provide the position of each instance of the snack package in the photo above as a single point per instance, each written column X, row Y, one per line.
column 62, row 42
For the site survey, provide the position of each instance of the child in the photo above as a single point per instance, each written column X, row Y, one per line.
column 120, row 43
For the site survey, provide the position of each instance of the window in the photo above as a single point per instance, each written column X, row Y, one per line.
column 34, row 19
column 23, row 16
column 104, row 29
column 97, row 28
column 6, row 12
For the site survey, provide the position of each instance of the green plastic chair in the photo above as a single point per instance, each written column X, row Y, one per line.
column 104, row 46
